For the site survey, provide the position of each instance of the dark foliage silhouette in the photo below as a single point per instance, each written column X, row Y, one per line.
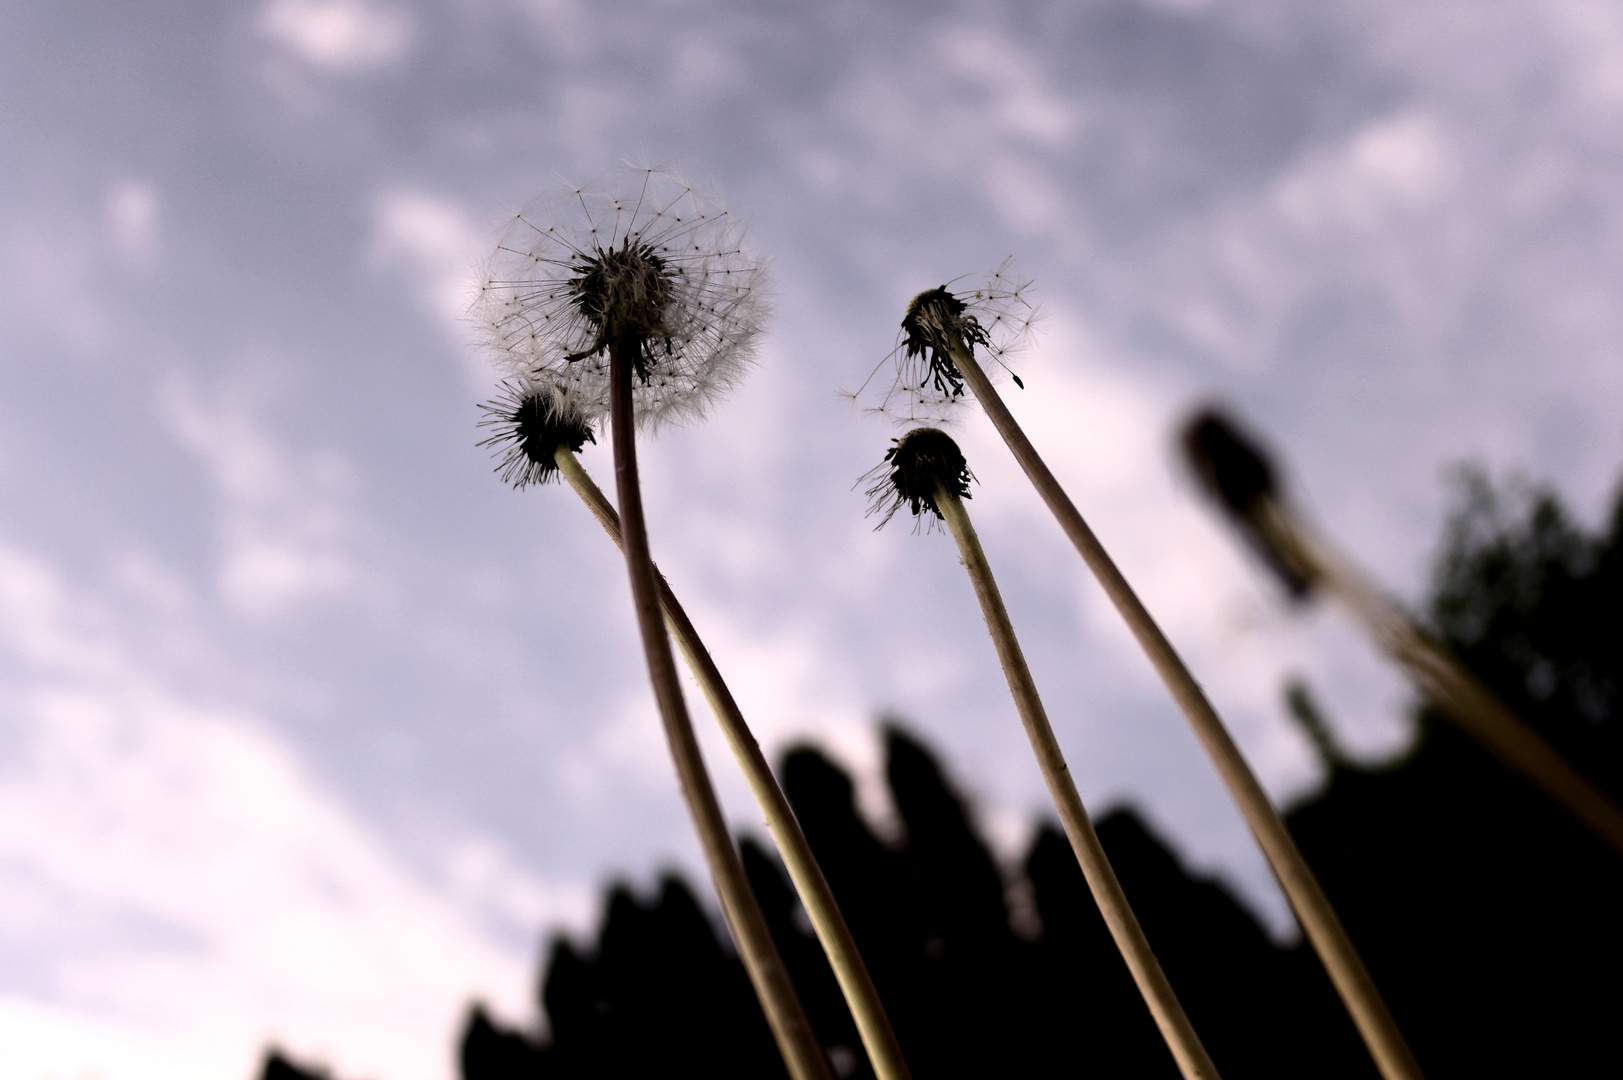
column 1488, row 918
column 1535, row 606
column 968, row 996
column 279, row 1067
column 1488, row 915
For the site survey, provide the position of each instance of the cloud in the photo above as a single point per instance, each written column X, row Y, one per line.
column 433, row 244
column 285, row 531
column 179, row 889
column 132, row 217
column 339, row 36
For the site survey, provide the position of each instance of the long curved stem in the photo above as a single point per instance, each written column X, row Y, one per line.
column 1312, row 907
column 796, row 1040
column 1449, row 684
column 1179, row 1033
column 873, row 1025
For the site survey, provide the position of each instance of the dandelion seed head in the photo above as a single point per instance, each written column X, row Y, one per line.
column 529, row 424
column 644, row 258
column 990, row 315
column 913, row 467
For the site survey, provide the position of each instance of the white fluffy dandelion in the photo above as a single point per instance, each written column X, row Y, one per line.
column 537, row 443
column 638, row 305
column 644, row 256
column 993, row 313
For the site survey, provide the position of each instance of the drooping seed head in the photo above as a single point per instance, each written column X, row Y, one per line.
column 916, row 467
column 529, row 425
column 642, row 262
column 936, row 321
column 987, row 316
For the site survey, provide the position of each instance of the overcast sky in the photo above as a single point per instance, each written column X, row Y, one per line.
column 310, row 728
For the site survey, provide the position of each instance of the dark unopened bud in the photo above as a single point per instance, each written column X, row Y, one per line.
column 916, row 467
column 1229, row 465
column 529, row 428
column 1234, row 471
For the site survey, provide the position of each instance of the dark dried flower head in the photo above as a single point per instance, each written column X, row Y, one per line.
column 935, row 318
column 988, row 315
column 1230, row 467
column 646, row 262
column 913, row 468
column 528, row 429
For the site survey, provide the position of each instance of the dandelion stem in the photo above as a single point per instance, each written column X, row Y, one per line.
column 797, row 1042
column 1179, row 1033
column 873, row 1025
column 1318, row 918
column 1442, row 678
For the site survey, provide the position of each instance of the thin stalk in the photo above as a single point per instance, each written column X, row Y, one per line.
column 797, row 1042
column 1307, row 899
column 1179, row 1033
column 1449, row 684
column 873, row 1025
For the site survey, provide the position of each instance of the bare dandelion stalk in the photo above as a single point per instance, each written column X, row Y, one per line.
column 937, row 322
column 538, row 445
column 657, row 281
column 1237, row 475
column 873, row 1025
column 796, row 1040
column 928, row 471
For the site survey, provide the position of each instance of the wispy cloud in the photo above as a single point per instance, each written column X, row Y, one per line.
column 286, row 532
column 179, row 888
column 339, row 36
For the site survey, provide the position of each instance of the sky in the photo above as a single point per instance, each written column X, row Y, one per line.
column 311, row 731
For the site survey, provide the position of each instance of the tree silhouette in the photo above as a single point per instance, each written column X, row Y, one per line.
column 1489, row 917
column 1490, row 920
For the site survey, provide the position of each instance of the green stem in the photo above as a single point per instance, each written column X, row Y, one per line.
column 797, row 1042
column 1312, row 907
column 1179, row 1033
column 855, row 983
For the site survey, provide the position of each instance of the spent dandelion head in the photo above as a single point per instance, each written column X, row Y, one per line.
column 529, row 425
column 916, row 467
column 988, row 315
column 642, row 261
